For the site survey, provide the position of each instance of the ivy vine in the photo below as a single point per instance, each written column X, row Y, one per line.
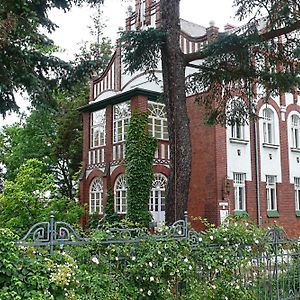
column 139, row 153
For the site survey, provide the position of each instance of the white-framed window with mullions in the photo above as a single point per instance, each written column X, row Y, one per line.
column 158, row 124
column 268, row 126
column 297, row 194
column 121, row 118
column 295, row 131
column 120, row 191
column 271, row 192
column 239, row 186
column 98, row 124
column 96, row 196
column 157, row 204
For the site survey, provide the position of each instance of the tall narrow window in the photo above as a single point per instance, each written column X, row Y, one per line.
column 122, row 115
column 237, row 131
column 297, row 192
column 157, row 198
column 158, row 125
column 120, row 195
column 295, row 131
column 96, row 196
column 271, row 192
column 98, row 128
column 239, row 191
column 268, row 126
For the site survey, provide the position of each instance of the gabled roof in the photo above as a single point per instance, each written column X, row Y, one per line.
column 192, row 29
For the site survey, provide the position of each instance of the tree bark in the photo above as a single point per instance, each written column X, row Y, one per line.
column 173, row 67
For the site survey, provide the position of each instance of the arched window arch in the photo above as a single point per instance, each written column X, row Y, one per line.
column 157, row 197
column 268, row 126
column 120, row 195
column 295, row 130
column 96, row 196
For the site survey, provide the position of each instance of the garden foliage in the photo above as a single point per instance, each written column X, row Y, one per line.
column 214, row 268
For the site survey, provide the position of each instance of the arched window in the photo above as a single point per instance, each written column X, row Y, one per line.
column 120, row 195
column 268, row 126
column 158, row 125
column 295, row 128
column 98, row 128
column 96, row 196
column 157, row 198
column 122, row 115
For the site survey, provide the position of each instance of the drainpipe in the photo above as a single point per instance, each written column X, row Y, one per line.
column 257, row 173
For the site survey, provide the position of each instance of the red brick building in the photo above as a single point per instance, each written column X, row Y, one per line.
column 253, row 169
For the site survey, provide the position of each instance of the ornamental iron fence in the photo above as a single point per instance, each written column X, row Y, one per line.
column 271, row 272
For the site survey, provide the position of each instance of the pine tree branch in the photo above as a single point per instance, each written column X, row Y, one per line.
column 264, row 36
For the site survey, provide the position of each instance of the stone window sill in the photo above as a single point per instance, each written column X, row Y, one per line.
column 273, row 214
column 295, row 150
column 238, row 141
column 272, row 146
column 241, row 213
column 297, row 213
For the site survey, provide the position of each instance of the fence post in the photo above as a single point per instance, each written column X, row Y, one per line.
column 186, row 224
column 51, row 232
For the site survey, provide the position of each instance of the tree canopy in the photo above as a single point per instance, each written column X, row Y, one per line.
column 27, row 63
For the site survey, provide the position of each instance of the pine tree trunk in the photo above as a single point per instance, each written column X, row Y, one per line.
column 179, row 134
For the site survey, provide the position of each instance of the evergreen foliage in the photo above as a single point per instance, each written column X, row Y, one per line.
column 139, row 153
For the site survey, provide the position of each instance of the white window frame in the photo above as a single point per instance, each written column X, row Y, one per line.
column 239, row 186
column 271, row 192
column 297, row 192
column 158, row 193
column 120, row 192
column 96, row 196
column 268, row 126
column 238, row 131
column 295, row 129
column 158, row 124
column 121, row 119
column 98, row 125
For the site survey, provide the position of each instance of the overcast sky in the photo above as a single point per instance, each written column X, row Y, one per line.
column 73, row 25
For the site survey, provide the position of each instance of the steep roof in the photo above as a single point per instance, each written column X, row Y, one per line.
column 192, row 29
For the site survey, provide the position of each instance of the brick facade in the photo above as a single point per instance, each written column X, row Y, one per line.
column 214, row 153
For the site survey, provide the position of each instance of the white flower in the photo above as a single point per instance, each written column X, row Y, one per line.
column 133, row 258
column 200, row 239
column 149, row 293
column 159, row 252
column 213, row 286
column 186, row 260
column 225, row 239
column 141, row 290
column 95, row 260
column 165, row 259
column 222, row 248
column 117, row 258
column 150, row 264
column 190, row 267
column 209, row 267
column 256, row 241
column 151, row 278
column 211, row 237
column 237, row 287
column 180, row 232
